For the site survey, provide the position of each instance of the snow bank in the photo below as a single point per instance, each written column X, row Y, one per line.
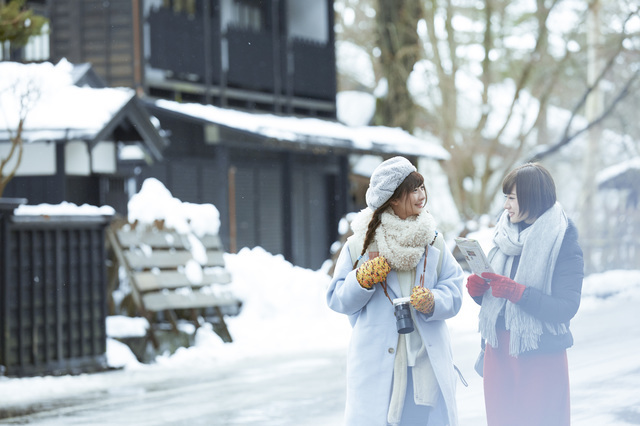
column 155, row 202
column 63, row 209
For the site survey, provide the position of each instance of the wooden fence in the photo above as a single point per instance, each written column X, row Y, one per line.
column 52, row 293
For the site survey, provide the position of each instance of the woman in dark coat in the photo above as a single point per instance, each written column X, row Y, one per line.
column 526, row 305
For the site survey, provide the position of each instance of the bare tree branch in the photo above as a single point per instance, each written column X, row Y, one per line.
column 568, row 138
column 27, row 96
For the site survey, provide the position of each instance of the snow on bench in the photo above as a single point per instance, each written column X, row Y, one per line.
column 172, row 272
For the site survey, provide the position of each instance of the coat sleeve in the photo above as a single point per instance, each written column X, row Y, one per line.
column 345, row 295
column 447, row 291
column 566, row 285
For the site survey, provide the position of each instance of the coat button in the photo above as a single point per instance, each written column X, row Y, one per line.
column 391, row 350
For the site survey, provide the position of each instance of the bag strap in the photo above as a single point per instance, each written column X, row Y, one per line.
column 438, row 243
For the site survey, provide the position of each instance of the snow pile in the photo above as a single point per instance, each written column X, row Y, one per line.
column 63, row 209
column 285, row 306
column 121, row 326
column 119, row 355
column 154, row 202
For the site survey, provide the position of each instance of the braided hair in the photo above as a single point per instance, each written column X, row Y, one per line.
column 411, row 182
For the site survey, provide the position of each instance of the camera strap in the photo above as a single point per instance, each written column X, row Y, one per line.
column 426, row 252
column 424, row 267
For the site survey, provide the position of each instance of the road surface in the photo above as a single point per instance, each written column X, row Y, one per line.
column 308, row 389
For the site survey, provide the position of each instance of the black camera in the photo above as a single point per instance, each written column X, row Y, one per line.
column 402, row 311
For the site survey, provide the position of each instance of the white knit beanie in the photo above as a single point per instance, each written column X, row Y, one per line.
column 385, row 179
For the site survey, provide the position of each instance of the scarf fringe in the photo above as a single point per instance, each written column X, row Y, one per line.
column 538, row 247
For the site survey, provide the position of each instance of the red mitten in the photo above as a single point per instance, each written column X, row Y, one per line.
column 504, row 287
column 476, row 285
column 422, row 300
column 372, row 272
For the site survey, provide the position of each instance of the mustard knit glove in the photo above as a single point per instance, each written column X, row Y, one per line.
column 422, row 300
column 372, row 272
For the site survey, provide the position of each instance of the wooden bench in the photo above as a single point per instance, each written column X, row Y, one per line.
column 155, row 260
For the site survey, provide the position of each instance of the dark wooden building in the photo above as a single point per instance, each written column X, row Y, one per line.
column 275, row 55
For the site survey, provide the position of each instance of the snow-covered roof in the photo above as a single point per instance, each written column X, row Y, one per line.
column 314, row 131
column 57, row 109
column 622, row 175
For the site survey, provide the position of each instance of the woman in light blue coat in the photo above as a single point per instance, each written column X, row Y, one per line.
column 397, row 375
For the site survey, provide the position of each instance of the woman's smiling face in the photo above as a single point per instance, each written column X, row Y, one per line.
column 411, row 204
column 513, row 208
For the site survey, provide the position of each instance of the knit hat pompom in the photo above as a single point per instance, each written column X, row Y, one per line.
column 386, row 178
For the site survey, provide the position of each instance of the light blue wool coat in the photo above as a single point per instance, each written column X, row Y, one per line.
column 374, row 339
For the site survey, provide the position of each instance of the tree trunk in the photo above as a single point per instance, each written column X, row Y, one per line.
column 399, row 44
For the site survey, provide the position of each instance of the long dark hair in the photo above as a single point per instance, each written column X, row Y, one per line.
column 411, row 182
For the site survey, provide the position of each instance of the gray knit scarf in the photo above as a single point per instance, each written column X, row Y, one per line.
column 538, row 247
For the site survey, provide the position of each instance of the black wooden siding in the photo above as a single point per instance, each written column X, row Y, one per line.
column 52, row 295
column 311, row 216
column 95, row 31
column 259, row 212
column 251, row 60
column 181, row 49
column 243, row 67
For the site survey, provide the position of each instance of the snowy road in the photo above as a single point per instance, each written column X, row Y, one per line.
column 301, row 391
column 308, row 390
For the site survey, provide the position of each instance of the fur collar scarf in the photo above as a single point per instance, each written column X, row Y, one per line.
column 401, row 241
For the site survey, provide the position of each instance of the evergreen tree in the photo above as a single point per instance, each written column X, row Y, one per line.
column 18, row 23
